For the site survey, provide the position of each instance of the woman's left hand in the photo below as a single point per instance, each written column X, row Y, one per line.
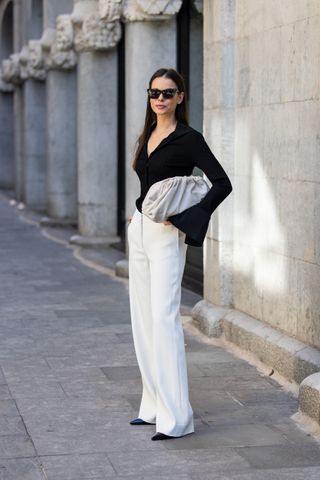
column 166, row 222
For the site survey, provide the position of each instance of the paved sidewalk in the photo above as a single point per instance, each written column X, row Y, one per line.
column 69, row 384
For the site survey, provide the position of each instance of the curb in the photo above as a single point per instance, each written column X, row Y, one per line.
column 291, row 358
column 122, row 268
column 309, row 396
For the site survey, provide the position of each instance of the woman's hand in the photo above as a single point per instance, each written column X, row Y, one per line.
column 166, row 222
column 129, row 219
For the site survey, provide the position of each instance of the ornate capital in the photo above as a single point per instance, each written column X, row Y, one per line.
column 5, row 85
column 97, row 34
column 36, row 64
column 62, row 54
column 47, row 39
column 82, row 9
column 64, row 33
column 10, row 71
column 139, row 10
column 23, row 63
column 62, row 60
column 110, row 10
column 34, row 58
column 93, row 32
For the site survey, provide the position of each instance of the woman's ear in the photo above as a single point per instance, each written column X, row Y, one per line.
column 180, row 97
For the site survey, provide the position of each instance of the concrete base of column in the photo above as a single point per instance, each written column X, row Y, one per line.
column 57, row 222
column 122, row 268
column 83, row 241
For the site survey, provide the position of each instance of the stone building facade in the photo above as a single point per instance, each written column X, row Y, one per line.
column 72, row 96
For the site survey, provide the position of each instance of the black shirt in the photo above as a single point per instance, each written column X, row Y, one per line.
column 177, row 155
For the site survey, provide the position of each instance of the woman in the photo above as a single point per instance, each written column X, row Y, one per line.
column 166, row 148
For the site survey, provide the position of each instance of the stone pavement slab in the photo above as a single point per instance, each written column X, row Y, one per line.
column 20, row 468
column 11, row 425
column 8, row 408
column 281, row 456
column 96, row 465
column 69, row 384
column 310, row 473
column 162, row 461
column 16, row 445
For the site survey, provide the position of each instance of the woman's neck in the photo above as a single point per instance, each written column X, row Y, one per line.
column 165, row 123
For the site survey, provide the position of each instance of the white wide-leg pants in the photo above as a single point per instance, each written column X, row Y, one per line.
column 157, row 255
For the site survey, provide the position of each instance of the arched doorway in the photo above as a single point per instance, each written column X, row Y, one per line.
column 6, row 101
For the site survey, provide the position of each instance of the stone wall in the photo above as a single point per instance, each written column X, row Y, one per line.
column 261, row 118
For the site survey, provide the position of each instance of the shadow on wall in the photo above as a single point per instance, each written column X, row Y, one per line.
column 275, row 268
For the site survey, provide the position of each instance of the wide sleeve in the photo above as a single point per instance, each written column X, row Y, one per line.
column 194, row 221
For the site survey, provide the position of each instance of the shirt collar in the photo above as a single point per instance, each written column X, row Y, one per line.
column 181, row 129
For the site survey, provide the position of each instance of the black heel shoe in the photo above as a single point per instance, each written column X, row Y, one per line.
column 139, row 421
column 161, row 436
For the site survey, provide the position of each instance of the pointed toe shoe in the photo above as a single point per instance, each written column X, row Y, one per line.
column 139, row 421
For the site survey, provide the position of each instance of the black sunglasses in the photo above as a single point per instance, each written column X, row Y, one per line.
column 167, row 93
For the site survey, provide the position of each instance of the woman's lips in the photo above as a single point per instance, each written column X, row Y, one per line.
column 160, row 106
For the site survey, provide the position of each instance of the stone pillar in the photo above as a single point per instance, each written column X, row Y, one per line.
column 150, row 43
column 95, row 41
column 18, row 132
column 33, row 69
column 61, row 126
column 18, row 146
column 20, row 39
column 6, row 134
column 27, row 70
column 219, row 131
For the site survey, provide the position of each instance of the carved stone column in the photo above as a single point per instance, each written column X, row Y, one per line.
column 150, row 37
column 6, row 128
column 11, row 75
column 33, row 73
column 61, row 125
column 95, row 41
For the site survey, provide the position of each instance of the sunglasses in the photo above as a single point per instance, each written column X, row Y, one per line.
column 167, row 93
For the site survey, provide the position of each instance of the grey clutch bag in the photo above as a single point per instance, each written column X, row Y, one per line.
column 173, row 195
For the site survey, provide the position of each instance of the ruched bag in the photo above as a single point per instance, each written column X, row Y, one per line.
column 172, row 196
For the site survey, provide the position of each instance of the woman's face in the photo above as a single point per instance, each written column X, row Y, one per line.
column 164, row 106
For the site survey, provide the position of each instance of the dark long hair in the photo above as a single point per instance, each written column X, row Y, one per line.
column 150, row 118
